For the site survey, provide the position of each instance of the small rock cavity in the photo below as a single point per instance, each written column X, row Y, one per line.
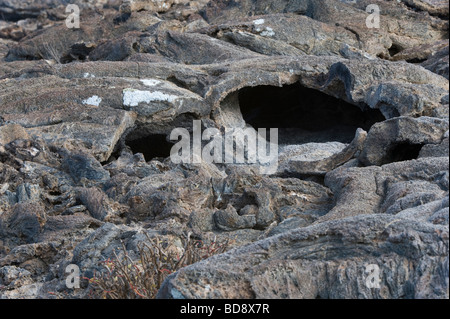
column 152, row 146
column 403, row 152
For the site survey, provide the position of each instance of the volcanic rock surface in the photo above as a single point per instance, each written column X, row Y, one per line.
column 363, row 117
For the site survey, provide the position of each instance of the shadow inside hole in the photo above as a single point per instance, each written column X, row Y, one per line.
column 403, row 152
column 395, row 49
column 153, row 146
column 304, row 115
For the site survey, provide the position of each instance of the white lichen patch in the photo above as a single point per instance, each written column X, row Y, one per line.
column 33, row 151
column 258, row 22
column 133, row 97
column 93, row 100
column 150, row 82
column 268, row 32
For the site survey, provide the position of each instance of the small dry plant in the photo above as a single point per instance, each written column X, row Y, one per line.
column 46, row 50
column 125, row 278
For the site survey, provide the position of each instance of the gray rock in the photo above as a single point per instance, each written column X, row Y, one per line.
column 11, row 275
column 24, row 222
column 83, row 167
column 327, row 260
column 10, row 133
column 288, row 224
column 285, row 34
column 202, row 220
column 13, row 9
column 229, row 219
column 322, row 160
column 98, row 204
column 438, row 63
column 97, row 247
column 435, row 7
column 401, row 139
column 435, row 150
column 26, row 192
column 365, row 190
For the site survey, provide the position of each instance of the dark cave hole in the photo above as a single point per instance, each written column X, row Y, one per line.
column 416, row 60
column 121, row 18
column 403, row 152
column 394, row 49
column 78, row 52
column 154, row 146
column 14, row 16
column 304, row 115
column 153, row 141
column 54, row 193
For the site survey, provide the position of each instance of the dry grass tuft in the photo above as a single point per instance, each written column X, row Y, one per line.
column 125, row 278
